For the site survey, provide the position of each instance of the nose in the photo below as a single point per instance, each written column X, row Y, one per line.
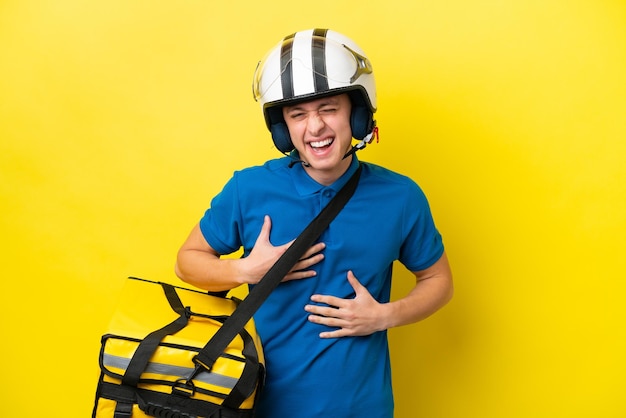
column 315, row 123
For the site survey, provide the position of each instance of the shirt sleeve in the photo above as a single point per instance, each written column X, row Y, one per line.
column 423, row 244
column 221, row 223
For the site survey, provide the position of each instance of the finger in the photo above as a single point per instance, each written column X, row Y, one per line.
column 329, row 300
column 301, row 274
column 336, row 334
column 313, row 250
column 320, row 313
column 329, row 321
column 308, row 262
column 341, row 327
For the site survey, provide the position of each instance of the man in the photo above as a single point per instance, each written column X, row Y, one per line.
column 324, row 327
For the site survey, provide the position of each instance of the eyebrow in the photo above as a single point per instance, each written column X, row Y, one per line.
column 326, row 102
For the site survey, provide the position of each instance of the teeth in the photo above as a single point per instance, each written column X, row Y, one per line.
column 319, row 144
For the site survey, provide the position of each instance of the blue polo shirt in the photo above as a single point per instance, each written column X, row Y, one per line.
column 387, row 219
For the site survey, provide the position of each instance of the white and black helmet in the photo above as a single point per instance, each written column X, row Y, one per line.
column 308, row 65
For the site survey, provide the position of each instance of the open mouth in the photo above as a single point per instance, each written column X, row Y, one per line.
column 319, row 145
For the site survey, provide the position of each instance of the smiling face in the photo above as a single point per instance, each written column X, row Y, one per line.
column 320, row 132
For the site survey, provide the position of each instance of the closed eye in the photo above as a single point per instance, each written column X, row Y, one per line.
column 295, row 115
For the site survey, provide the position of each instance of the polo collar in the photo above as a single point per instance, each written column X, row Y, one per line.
column 306, row 186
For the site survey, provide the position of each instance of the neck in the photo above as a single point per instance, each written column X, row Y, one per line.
column 328, row 177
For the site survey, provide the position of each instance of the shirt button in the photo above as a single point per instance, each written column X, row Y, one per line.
column 328, row 193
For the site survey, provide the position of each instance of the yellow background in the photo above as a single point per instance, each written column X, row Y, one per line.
column 119, row 120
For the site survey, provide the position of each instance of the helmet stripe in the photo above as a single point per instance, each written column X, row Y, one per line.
column 286, row 69
column 318, row 51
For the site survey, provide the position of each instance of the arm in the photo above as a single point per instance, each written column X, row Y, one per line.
column 363, row 315
column 200, row 265
column 432, row 291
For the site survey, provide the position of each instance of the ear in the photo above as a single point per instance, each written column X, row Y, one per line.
column 281, row 137
column 361, row 122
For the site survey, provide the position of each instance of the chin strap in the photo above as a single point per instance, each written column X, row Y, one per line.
column 295, row 161
column 363, row 143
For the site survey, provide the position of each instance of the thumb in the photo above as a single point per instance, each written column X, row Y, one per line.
column 354, row 282
column 264, row 235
